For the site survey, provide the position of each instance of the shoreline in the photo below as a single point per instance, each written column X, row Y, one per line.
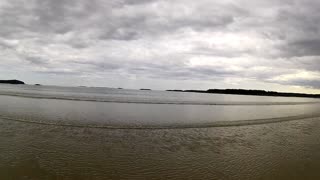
column 268, row 151
column 217, row 124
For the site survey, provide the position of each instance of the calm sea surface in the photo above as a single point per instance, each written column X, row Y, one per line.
column 49, row 132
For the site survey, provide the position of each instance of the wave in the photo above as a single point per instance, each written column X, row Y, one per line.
column 168, row 102
column 190, row 126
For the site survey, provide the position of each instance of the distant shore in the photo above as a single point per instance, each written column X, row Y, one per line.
column 11, row 82
column 250, row 92
column 212, row 91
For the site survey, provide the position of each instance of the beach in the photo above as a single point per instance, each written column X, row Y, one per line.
column 159, row 89
column 65, row 134
column 286, row 150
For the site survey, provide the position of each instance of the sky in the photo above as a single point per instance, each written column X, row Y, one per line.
column 163, row 44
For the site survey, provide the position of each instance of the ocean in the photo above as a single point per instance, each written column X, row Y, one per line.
column 51, row 132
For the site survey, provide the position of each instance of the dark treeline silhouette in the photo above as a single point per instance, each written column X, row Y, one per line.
column 11, row 82
column 250, row 92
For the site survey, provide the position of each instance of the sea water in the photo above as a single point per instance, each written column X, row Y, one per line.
column 50, row 132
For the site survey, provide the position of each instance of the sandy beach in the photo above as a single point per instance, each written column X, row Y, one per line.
column 286, row 150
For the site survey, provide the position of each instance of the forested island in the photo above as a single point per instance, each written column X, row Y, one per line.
column 11, row 82
column 251, row 92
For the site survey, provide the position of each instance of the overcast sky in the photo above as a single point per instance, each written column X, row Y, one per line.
column 163, row 44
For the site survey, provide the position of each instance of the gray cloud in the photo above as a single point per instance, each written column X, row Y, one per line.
column 273, row 41
column 305, row 83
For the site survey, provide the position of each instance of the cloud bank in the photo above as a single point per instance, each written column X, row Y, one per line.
column 162, row 43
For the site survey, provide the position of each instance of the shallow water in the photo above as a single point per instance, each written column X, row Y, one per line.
column 144, row 97
column 57, row 138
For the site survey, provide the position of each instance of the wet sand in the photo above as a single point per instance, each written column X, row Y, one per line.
column 285, row 150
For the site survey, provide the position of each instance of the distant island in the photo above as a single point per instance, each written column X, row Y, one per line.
column 11, row 82
column 145, row 89
column 250, row 92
